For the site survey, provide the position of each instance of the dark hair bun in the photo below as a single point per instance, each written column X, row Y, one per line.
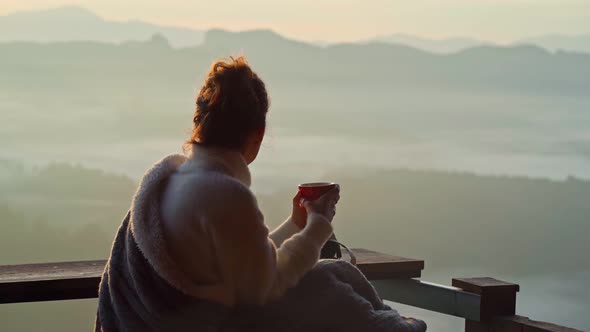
column 231, row 105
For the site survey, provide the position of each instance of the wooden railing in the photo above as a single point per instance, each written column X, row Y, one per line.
column 487, row 304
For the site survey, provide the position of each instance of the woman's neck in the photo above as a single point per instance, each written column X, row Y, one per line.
column 230, row 160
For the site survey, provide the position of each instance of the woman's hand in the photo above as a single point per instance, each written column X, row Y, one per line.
column 299, row 214
column 325, row 205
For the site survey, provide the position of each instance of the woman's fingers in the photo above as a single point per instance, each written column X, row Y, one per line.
column 306, row 204
column 325, row 205
column 331, row 196
column 297, row 198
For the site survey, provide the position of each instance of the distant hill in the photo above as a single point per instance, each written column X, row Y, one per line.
column 428, row 214
column 453, row 220
column 72, row 23
column 450, row 45
column 552, row 43
column 580, row 43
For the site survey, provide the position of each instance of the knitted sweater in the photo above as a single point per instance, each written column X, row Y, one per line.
column 215, row 233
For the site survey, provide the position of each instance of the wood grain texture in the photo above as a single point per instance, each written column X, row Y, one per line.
column 50, row 281
column 378, row 266
column 79, row 280
column 480, row 284
column 514, row 324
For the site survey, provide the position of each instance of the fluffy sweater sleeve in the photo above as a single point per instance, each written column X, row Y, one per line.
column 250, row 260
column 283, row 232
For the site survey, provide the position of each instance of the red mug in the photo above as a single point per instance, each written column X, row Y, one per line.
column 313, row 191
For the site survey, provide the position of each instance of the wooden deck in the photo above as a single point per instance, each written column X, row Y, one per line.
column 79, row 280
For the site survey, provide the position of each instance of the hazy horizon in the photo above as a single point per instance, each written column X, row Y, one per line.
column 502, row 22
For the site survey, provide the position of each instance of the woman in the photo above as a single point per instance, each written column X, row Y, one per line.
column 214, row 243
column 211, row 219
column 194, row 253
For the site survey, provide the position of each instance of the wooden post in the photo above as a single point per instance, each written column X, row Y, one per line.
column 498, row 298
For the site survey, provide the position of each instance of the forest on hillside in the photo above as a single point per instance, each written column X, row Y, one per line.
column 67, row 212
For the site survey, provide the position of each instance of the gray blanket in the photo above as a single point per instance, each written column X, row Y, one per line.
column 133, row 296
column 334, row 296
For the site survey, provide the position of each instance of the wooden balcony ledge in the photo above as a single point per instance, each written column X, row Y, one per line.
column 79, row 280
column 486, row 304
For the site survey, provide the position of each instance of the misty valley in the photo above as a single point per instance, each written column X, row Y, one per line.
column 476, row 161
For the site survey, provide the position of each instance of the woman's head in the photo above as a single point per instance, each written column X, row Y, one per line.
column 231, row 109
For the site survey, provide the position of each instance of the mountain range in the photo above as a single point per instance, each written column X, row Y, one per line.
column 522, row 69
column 72, row 23
column 374, row 90
column 504, row 101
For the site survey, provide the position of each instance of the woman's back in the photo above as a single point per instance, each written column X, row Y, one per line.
column 193, row 209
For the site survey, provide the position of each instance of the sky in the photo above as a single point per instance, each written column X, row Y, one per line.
column 347, row 20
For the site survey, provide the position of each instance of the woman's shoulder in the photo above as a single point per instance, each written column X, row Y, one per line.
column 206, row 189
column 211, row 181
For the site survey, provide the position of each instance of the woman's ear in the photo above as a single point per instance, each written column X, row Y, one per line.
column 252, row 147
column 260, row 135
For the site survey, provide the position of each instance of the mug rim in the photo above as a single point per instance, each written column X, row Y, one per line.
column 316, row 184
